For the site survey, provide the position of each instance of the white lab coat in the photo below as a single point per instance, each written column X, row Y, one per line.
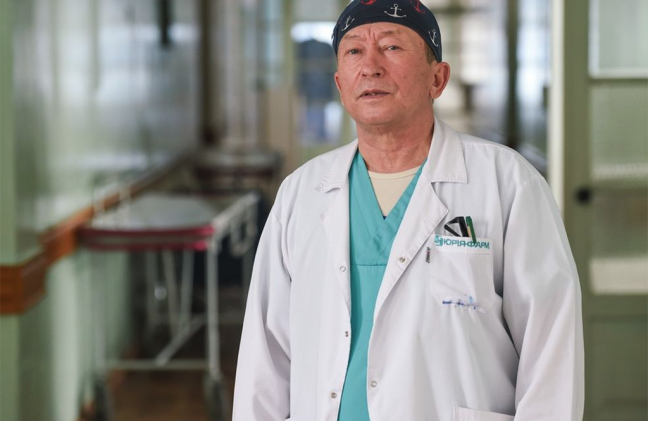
column 515, row 354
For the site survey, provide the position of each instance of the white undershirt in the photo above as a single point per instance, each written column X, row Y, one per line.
column 388, row 188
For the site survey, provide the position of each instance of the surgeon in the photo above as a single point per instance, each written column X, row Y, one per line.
column 417, row 273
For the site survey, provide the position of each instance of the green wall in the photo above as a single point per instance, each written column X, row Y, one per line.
column 89, row 99
column 9, row 364
column 7, row 185
column 56, row 341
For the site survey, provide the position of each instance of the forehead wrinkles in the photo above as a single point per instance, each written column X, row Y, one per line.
column 371, row 33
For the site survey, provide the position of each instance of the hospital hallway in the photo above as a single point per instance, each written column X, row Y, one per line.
column 143, row 142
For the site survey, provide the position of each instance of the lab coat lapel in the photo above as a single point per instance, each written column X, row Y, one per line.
column 336, row 218
column 424, row 213
column 445, row 163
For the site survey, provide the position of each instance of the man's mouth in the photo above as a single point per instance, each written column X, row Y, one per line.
column 373, row 93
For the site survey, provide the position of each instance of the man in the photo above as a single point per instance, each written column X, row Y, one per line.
column 416, row 273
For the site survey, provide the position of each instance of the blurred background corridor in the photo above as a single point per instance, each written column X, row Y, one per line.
column 110, row 110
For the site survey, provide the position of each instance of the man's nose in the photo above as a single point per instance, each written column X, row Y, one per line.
column 372, row 64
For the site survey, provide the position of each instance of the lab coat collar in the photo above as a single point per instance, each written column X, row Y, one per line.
column 338, row 174
column 445, row 161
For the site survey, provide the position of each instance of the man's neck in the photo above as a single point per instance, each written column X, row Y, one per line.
column 386, row 151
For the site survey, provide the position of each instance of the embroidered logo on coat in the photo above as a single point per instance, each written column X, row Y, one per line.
column 458, row 242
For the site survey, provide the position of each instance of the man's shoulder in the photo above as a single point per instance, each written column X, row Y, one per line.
column 307, row 179
column 486, row 155
column 318, row 167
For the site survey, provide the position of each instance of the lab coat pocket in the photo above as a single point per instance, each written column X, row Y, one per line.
column 462, row 273
column 465, row 414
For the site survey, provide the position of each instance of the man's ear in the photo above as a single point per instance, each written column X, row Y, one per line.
column 440, row 77
column 337, row 83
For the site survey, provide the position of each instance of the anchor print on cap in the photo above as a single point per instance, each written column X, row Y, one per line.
column 348, row 22
column 416, row 4
column 433, row 37
column 395, row 13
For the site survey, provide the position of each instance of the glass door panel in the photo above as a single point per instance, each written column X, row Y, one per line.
column 619, row 38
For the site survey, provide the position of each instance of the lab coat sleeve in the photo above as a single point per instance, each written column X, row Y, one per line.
column 542, row 307
column 261, row 391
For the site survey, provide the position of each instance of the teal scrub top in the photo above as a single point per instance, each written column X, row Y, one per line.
column 371, row 239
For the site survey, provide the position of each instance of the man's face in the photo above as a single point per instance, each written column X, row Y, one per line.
column 384, row 77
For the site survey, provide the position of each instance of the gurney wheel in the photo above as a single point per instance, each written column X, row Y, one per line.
column 103, row 402
column 215, row 396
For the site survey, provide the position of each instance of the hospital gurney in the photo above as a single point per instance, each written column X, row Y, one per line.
column 160, row 223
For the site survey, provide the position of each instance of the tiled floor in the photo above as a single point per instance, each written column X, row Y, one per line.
column 178, row 395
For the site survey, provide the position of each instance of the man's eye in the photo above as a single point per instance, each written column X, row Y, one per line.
column 353, row 51
column 393, row 48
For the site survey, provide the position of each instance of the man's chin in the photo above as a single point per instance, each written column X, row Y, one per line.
column 376, row 121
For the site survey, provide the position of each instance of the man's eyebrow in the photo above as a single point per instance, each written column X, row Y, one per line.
column 350, row 37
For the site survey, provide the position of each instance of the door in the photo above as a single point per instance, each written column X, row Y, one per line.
column 599, row 170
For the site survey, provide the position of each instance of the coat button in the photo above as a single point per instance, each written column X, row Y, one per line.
column 342, row 268
column 374, row 383
column 402, row 259
column 333, row 395
column 346, row 333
